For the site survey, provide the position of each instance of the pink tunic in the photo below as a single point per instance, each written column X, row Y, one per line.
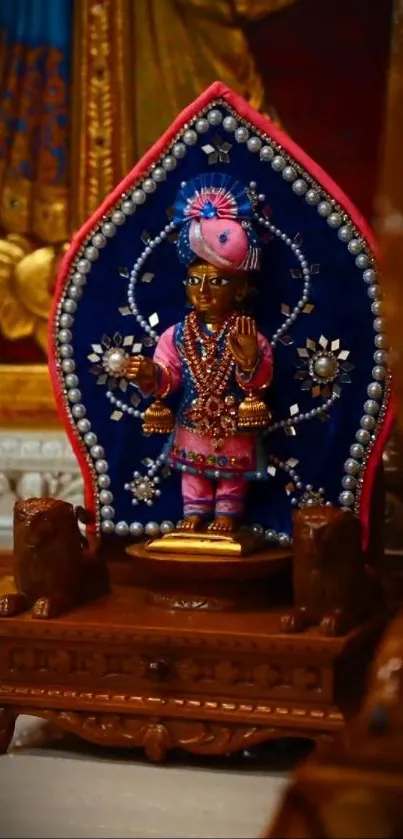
column 241, row 454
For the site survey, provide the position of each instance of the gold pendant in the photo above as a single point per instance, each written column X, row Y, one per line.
column 158, row 419
column 253, row 413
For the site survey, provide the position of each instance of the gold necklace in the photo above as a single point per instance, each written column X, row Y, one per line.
column 212, row 414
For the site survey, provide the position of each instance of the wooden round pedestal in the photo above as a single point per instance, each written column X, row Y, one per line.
column 211, row 583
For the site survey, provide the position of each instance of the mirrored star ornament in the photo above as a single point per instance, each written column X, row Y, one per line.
column 109, row 359
column 320, row 364
column 108, row 362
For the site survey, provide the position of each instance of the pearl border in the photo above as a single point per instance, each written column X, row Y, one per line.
column 302, row 184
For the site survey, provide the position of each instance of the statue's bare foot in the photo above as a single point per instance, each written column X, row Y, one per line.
column 223, row 524
column 190, row 524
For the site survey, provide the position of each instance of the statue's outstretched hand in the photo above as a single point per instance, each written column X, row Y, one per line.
column 143, row 371
column 244, row 343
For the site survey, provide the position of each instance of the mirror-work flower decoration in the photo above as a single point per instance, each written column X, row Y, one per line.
column 322, row 365
column 143, row 489
column 312, row 497
column 109, row 359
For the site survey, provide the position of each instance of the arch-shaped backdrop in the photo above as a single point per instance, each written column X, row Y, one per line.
column 317, row 297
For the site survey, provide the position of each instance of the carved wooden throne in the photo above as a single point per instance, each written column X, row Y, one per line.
column 227, row 658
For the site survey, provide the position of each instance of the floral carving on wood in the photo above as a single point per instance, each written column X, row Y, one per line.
column 189, row 671
column 268, row 676
column 158, row 736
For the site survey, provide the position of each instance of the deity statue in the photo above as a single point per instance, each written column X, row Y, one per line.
column 214, row 356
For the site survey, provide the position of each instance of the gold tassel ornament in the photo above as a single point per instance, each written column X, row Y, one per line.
column 253, row 413
column 158, row 419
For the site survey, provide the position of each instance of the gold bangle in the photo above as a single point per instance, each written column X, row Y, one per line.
column 168, row 375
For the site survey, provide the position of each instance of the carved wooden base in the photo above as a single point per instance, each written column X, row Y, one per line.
column 211, row 583
column 120, row 672
column 156, row 736
column 330, row 625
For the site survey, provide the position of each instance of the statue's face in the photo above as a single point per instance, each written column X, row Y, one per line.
column 212, row 292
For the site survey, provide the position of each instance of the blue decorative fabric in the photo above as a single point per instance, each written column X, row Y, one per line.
column 35, row 88
column 38, row 22
column 338, row 309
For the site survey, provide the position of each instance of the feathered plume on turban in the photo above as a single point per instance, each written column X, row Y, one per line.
column 215, row 217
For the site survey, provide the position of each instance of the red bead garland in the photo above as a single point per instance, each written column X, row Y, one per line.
column 212, row 414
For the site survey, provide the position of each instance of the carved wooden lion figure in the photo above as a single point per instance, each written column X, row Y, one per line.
column 50, row 562
column 332, row 585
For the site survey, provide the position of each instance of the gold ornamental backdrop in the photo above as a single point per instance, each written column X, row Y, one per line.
column 136, row 64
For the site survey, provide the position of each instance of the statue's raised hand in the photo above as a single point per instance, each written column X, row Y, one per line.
column 143, row 371
column 244, row 343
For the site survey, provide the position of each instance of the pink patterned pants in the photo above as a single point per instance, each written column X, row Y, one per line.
column 205, row 497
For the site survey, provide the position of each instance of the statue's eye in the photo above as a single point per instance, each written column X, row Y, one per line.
column 193, row 280
column 220, row 281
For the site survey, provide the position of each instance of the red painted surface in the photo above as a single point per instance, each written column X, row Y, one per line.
column 325, row 64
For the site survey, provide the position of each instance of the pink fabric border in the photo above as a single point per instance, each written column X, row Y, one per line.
column 216, row 91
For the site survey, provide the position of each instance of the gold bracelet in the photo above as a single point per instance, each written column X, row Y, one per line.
column 168, row 375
